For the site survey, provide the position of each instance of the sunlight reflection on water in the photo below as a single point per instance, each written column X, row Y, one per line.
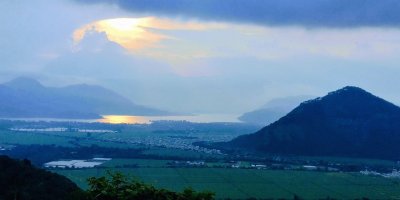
column 124, row 119
column 128, row 119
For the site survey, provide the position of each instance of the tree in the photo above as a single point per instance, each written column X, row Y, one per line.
column 118, row 187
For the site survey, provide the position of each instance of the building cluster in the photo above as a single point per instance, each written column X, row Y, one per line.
column 6, row 147
column 166, row 142
column 78, row 164
column 62, row 129
column 394, row 174
column 187, row 164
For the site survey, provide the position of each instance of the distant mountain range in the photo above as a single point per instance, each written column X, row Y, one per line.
column 273, row 110
column 349, row 122
column 26, row 98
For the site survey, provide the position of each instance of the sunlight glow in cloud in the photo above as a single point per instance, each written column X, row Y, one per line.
column 189, row 48
column 135, row 33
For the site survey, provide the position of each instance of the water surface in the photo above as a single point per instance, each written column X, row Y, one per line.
column 131, row 119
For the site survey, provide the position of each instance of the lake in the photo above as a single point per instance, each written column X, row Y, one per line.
column 128, row 119
column 131, row 119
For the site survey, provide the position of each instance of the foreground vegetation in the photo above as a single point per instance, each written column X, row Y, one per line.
column 118, row 187
column 20, row 180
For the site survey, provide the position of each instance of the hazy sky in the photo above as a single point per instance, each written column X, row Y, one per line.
column 205, row 56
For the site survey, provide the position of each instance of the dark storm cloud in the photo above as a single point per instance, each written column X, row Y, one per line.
column 308, row 13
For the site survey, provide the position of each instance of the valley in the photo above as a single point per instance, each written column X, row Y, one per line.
column 166, row 151
column 200, row 100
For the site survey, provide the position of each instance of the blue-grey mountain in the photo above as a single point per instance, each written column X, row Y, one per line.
column 273, row 110
column 25, row 97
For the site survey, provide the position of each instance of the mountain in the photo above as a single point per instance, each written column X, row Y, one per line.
column 20, row 180
column 107, row 102
column 349, row 122
column 273, row 110
column 25, row 97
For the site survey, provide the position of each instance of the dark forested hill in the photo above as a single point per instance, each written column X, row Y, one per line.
column 348, row 122
column 20, row 180
column 25, row 97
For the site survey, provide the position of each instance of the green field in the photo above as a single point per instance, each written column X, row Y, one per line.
column 225, row 182
column 64, row 139
column 26, row 138
column 246, row 183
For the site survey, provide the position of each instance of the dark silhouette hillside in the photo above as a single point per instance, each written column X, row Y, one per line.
column 348, row 122
column 20, row 180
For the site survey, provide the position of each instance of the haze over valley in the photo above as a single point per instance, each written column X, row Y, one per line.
column 199, row 99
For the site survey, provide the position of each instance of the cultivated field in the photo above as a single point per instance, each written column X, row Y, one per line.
column 246, row 183
column 217, row 175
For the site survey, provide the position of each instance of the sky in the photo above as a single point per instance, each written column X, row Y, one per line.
column 205, row 56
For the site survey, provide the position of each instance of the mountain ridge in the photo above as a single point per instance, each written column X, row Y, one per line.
column 273, row 110
column 349, row 122
column 25, row 98
column 23, row 82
